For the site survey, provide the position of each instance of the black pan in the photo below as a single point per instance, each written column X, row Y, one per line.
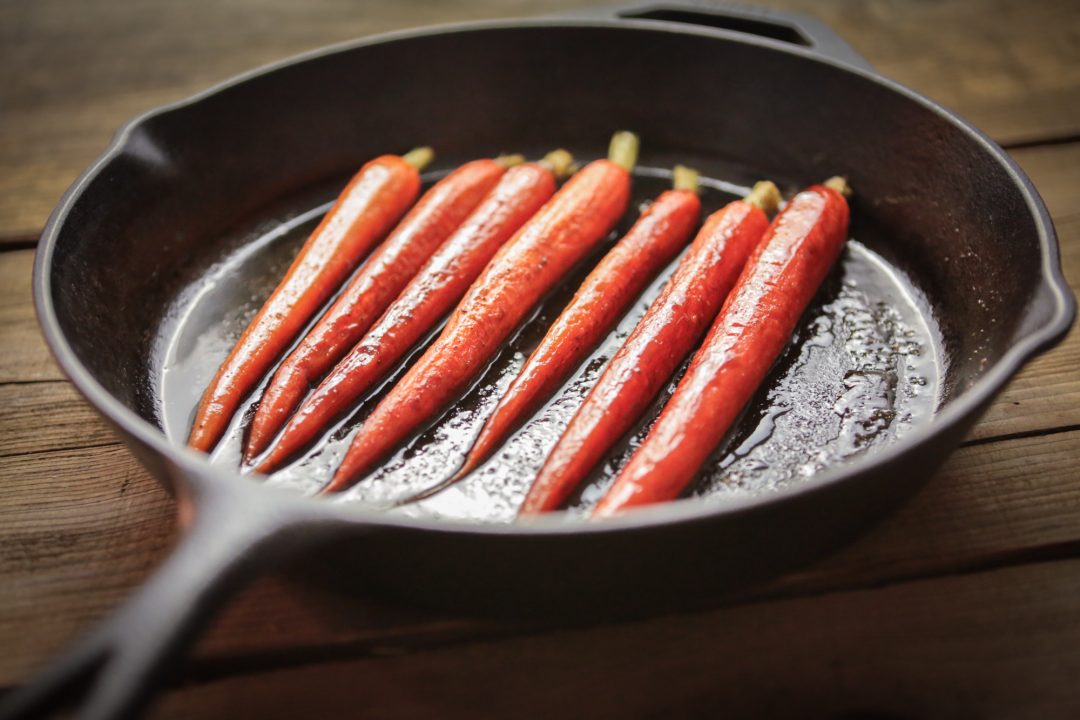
column 152, row 259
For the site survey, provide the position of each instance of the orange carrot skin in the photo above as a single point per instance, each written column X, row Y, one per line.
column 653, row 241
column 429, row 296
column 752, row 329
column 364, row 212
column 390, row 267
column 574, row 221
column 669, row 330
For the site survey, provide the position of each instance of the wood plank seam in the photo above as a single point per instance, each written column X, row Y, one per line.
column 1041, row 141
column 21, row 241
column 33, row 453
column 1003, row 437
column 208, row 670
column 32, row 381
column 1066, row 218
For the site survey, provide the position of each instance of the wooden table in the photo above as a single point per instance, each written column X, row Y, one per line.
column 966, row 602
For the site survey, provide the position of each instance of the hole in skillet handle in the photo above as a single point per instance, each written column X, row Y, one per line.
column 782, row 26
column 751, row 26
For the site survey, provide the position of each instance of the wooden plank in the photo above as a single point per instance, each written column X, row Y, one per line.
column 1011, row 66
column 24, row 356
column 48, row 415
column 1046, row 393
column 989, row 503
column 993, row 644
column 70, row 550
column 1054, row 171
column 64, row 98
column 79, row 529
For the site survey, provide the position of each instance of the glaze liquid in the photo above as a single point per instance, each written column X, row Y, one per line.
column 865, row 367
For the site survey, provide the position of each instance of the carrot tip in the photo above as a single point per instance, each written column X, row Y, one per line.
column 685, row 178
column 336, row 485
column 839, row 183
column 419, row 157
column 428, row 492
column 623, row 150
column 509, row 161
column 765, row 195
column 559, row 162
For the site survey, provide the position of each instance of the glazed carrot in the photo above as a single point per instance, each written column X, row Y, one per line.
column 755, row 324
column 386, row 272
column 653, row 241
column 670, row 329
column 364, row 212
column 434, row 291
column 573, row 222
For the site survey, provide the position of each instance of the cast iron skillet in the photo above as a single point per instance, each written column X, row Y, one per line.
column 739, row 94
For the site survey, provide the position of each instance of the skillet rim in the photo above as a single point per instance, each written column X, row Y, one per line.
column 196, row 470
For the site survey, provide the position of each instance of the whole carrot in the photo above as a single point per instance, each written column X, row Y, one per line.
column 621, row 276
column 755, row 324
column 390, row 267
column 574, row 221
column 670, row 329
column 438, row 286
column 364, row 212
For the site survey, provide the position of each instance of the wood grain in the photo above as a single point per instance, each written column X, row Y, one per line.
column 23, row 354
column 962, row 603
column 71, row 556
column 996, row 644
column 1011, row 66
column 48, row 415
column 78, row 529
column 1055, row 173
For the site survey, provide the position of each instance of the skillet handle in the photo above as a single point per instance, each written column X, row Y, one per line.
column 790, row 27
column 235, row 534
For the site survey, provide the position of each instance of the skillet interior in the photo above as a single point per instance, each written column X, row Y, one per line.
column 864, row 372
column 191, row 185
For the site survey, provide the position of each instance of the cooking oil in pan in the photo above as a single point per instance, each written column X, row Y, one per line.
column 860, row 372
column 863, row 369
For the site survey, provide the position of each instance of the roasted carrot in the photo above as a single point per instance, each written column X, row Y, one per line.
column 573, row 222
column 364, row 212
column 755, row 324
column 656, row 238
column 670, row 329
column 434, row 291
column 438, row 213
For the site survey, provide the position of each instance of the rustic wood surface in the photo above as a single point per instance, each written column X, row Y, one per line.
column 963, row 603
